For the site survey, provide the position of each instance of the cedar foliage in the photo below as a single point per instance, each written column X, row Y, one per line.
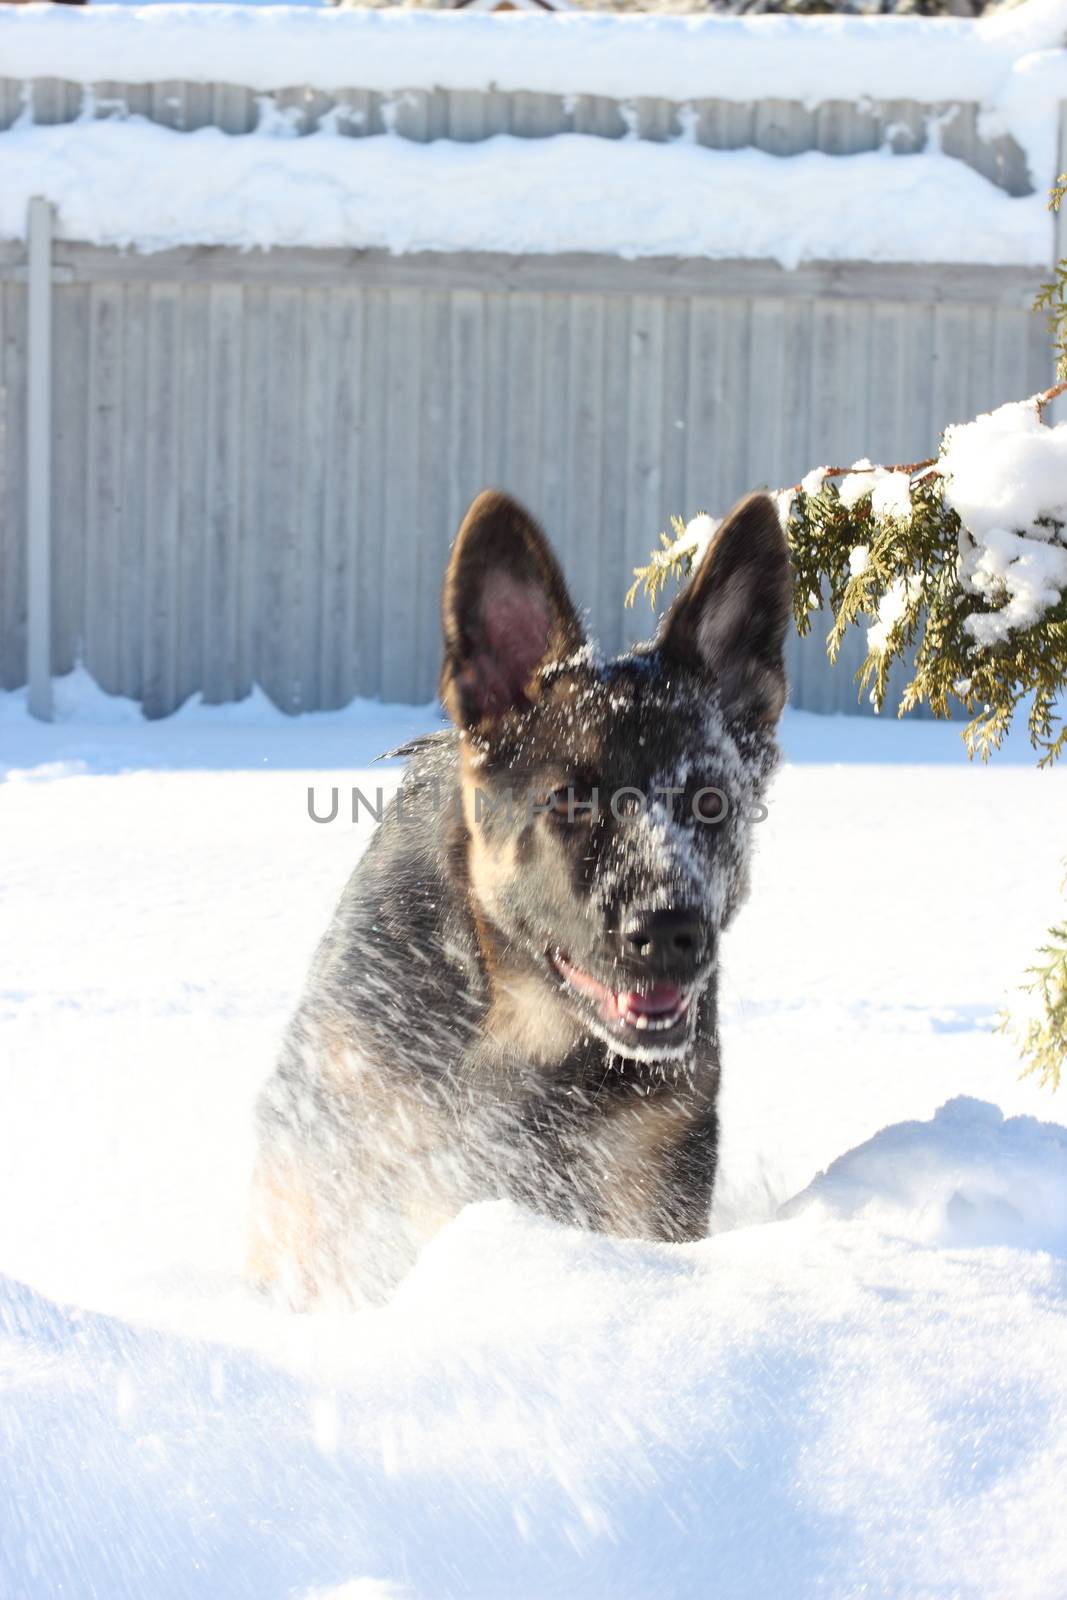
column 903, row 574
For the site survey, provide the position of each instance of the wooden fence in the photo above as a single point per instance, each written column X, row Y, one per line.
column 258, row 459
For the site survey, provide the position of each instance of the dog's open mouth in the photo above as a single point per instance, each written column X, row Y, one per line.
column 654, row 1014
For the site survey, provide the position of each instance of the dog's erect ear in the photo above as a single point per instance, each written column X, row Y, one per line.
column 505, row 611
column 731, row 621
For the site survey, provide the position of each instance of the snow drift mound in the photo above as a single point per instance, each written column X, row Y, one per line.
column 968, row 1177
column 809, row 1407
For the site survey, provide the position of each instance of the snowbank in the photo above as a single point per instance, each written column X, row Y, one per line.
column 799, row 1409
column 631, row 198
column 103, row 733
column 967, row 1178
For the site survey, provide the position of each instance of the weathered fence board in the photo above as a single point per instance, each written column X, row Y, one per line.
column 280, row 604
column 102, row 397
column 586, row 417
column 432, row 479
column 166, row 416
column 373, row 532
column 616, row 447
column 40, row 311
column 253, row 409
column 192, row 379
column 70, row 401
column 400, row 389
column 316, row 466
column 13, row 534
column 257, row 474
column 223, row 600
column 149, row 474
column 644, row 403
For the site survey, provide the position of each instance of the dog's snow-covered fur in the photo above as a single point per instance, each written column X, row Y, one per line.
column 517, row 994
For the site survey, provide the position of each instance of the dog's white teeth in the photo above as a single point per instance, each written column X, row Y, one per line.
column 656, row 1024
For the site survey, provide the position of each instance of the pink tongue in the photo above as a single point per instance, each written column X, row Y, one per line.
column 658, row 1001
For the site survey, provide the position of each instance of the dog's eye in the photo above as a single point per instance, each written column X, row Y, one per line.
column 708, row 804
column 572, row 802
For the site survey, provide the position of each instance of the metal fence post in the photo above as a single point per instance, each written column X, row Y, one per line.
column 39, row 458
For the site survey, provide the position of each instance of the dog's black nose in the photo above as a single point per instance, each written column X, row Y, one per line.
column 665, row 941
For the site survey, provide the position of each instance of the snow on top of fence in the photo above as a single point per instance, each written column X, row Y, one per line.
column 677, row 58
column 626, row 198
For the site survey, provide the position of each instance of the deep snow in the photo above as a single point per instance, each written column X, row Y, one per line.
column 864, row 1392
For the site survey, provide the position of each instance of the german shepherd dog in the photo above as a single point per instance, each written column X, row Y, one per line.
column 517, row 995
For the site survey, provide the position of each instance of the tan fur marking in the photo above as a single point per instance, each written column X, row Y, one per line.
column 488, row 867
column 525, row 1014
column 528, row 1018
